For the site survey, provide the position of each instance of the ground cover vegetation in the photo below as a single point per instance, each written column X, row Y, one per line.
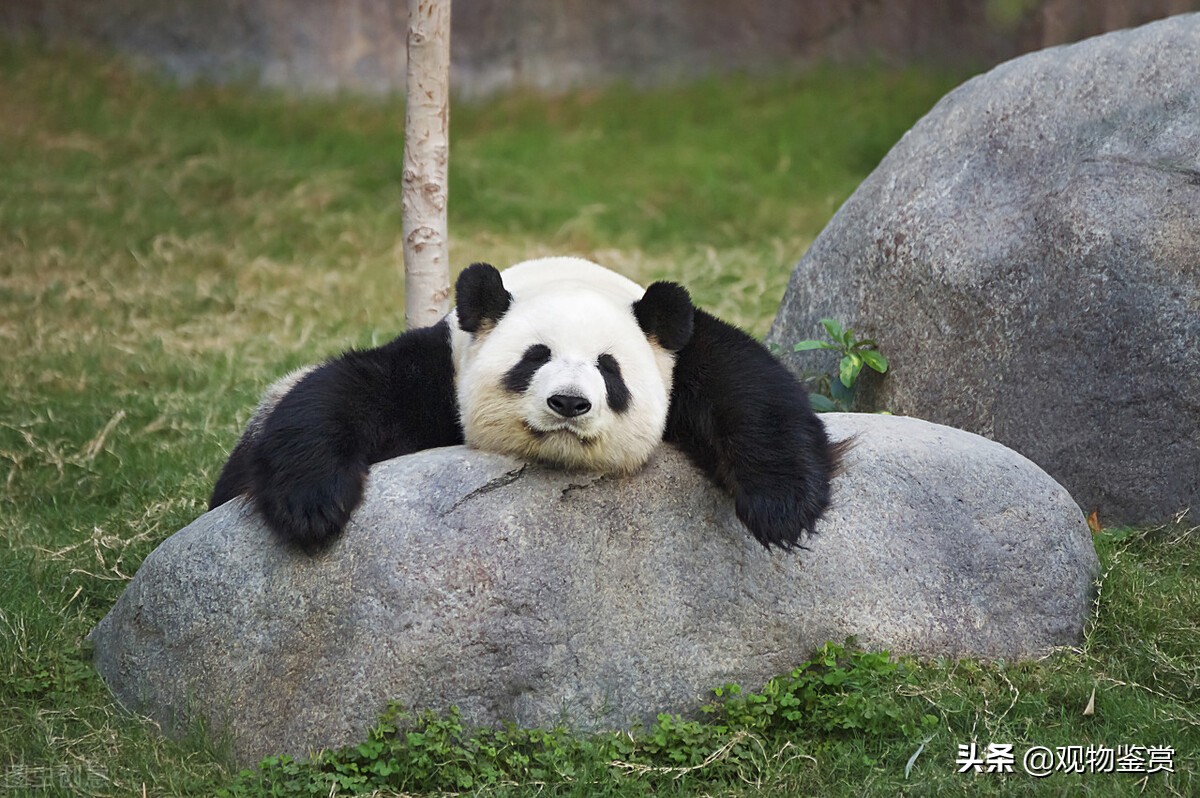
column 165, row 252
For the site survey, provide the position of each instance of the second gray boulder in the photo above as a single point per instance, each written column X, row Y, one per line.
column 1028, row 256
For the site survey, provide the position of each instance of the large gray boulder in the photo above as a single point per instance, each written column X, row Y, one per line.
column 1028, row 256
column 544, row 597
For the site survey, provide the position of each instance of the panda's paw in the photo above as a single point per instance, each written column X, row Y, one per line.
column 310, row 508
column 779, row 518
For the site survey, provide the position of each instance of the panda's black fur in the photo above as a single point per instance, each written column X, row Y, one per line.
column 735, row 411
column 306, row 466
column 745, row 420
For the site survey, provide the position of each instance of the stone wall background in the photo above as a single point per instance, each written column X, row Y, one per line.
column 358, row 45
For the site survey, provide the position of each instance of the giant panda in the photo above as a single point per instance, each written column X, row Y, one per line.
column 556, row 360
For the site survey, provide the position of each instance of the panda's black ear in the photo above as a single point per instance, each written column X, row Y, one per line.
column 481, row 297
column 665, row 312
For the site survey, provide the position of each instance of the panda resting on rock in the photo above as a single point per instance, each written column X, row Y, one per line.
column 556, row 360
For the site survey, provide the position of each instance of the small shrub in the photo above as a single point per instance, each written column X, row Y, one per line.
column 842, row 393
column 838, row 695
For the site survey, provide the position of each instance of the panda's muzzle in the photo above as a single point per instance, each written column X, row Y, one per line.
column 568, row 405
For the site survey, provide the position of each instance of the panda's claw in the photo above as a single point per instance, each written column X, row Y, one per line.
column 311, row 516
column 778, row 520
column 309, row 510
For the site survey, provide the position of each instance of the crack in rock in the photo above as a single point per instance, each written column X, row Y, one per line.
column 1191, row 176
column 508, row 478
column 574, row 486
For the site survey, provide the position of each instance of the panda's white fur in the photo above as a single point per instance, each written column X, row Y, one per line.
column 580, row 311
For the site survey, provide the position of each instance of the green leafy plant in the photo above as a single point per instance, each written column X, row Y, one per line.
column 841, row 694
column 855, row 354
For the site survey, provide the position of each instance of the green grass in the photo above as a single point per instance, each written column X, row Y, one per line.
column 164, row 253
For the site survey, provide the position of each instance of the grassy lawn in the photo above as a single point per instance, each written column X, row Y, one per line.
column 164, row 253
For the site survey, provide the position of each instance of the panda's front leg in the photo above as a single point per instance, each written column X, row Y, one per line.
column 304, row 464
column 746, row 420
column 308, row 465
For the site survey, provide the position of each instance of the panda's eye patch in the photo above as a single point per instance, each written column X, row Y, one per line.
column 517, row 378
column 615, row 389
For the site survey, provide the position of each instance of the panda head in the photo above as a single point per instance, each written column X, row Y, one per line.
column 563, row 361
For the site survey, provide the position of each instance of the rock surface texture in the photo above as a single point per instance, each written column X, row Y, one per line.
column 1028, row 257
column 543, row 597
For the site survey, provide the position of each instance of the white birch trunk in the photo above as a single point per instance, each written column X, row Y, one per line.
column 426, row 157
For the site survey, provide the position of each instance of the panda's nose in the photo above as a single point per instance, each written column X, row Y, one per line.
column 568, row 405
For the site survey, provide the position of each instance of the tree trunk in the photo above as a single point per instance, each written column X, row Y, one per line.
column 426, row 157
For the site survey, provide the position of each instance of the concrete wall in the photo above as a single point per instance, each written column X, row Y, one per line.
column 330, row 45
